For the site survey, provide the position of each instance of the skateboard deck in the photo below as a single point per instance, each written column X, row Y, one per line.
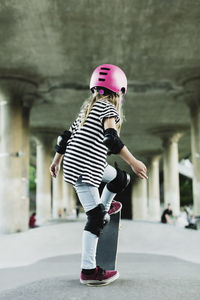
column 107, row 245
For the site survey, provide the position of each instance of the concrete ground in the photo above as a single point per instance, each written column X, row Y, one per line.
column 155, row 261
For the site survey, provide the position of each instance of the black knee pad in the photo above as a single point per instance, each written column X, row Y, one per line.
column 97, row 219
column 120, row 182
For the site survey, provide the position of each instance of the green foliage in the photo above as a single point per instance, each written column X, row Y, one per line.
column 32, row 176
column 186, row 191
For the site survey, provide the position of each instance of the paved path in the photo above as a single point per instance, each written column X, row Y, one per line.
column 155, row 261
column 142, row 276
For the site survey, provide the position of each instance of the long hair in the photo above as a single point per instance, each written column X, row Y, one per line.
column 109, row 96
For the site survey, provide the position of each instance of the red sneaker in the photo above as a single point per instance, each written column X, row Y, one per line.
column 115, row 207
column 99, row 276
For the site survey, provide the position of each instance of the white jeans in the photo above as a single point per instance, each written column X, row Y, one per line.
column 90, row 198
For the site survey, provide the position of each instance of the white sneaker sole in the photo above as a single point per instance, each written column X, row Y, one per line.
column 100, row 282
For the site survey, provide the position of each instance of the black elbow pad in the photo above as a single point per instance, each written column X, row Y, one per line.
column 62, row 141
column 112, row 141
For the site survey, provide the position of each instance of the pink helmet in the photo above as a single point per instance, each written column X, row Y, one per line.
column 110, row 77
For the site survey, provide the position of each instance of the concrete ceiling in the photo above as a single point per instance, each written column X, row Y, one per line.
column 56, row 44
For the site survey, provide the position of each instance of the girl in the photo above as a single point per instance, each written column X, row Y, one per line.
column 84, row 147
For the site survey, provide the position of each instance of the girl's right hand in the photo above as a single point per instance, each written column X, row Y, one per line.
column 54, row 169
column 139, row 169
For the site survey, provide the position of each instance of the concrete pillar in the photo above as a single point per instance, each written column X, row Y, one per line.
column 65, row 198
column 139, row 199
column 72, row 203
column 171, row 173
column 26, row 158
column 57, row 209
column 69, row 198
column 14, row 200
column 43, row 179
column 195, row 145
column 61, row 182
column 154, row 189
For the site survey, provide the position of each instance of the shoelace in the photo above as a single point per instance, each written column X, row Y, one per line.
column 100, row 273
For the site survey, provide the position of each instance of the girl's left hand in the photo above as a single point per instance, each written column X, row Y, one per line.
column 139, row 168
column 54, row 169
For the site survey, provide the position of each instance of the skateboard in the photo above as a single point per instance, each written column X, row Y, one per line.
column 107, row 245
column 106, row 256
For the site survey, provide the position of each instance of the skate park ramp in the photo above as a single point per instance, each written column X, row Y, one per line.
column 155, row 261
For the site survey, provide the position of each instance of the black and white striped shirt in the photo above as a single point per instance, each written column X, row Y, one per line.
column 85, row 153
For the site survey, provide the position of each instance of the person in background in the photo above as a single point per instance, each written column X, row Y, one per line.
column 65, row 212
column 188, row 213
column 167, row 213
column 192, row 224
column 32, row 221
column 60, row 213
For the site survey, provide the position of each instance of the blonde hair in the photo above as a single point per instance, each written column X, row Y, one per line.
column 111, row 97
